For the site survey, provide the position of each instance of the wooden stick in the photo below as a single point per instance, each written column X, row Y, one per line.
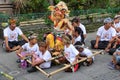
column 45, row 73
column 63, row 68
column 57, row 61
column 67, row 66
column 7, row 75
column 48, row 60
column 53, row 58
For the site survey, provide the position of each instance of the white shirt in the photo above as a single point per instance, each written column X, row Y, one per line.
column 118, row 34
column 77, row 39
column 12, row 34
column 71, row 52
column 117, row 25
column 82, row 28
column 106, row 35
column 87, row 52
column 27, row 47
column 46, row 56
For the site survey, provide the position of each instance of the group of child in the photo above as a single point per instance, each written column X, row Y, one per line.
column 41, row 52
column 108, row 35
column 37, row 51
column 71, row 42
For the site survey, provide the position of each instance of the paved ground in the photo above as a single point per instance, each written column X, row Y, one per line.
column 98, row 71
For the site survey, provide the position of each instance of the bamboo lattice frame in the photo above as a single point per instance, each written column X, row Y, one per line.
column 65, row 65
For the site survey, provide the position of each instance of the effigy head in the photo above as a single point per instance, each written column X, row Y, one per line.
column 61, row 6
column 59, row 16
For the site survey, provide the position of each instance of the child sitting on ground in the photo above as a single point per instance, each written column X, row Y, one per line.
column 49, row 39
column 78, row 36
column 40, row 58
column 70, row 54
column 115, row 43
column 28, row 48
column 85, row 52
column 115, row 63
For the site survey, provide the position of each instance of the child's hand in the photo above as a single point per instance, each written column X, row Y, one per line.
column 66, row 55
column 118, row 53
column 32, row 53
column 22, row 58
column 56, row 53
column 17, row 51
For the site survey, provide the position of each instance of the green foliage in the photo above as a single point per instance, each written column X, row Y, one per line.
column 3, row 17
column 57, row 1
column 35, row 6
column 19, row 5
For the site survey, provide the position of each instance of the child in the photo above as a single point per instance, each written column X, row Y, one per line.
column 49, row 39
column 84, row 52
column 115, row 63
column 40, row 58
column 28, row 48
column 116, row 22
column 78, row 39
column 70, row 53
column 77, row 23
column 115, row 44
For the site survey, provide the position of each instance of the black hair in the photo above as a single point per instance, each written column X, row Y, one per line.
column 76, row 20
column 78, row 29
column 63, row 9
column 48, row 32
column 80, row 32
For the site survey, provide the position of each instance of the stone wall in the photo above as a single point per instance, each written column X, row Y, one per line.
column 6, row 6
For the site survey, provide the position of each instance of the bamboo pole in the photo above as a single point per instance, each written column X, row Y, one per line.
column 57, row 61
column 45, row 73
column 7, row 75
column 67, row 66
column 53, row 58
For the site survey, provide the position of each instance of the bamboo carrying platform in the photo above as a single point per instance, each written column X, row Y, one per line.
column 65, row 65
column 70, row 65
column 37, row 67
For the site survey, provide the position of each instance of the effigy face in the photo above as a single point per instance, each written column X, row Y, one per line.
column 59, row 16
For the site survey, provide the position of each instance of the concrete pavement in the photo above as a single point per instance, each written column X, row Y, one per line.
column 98, row 71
